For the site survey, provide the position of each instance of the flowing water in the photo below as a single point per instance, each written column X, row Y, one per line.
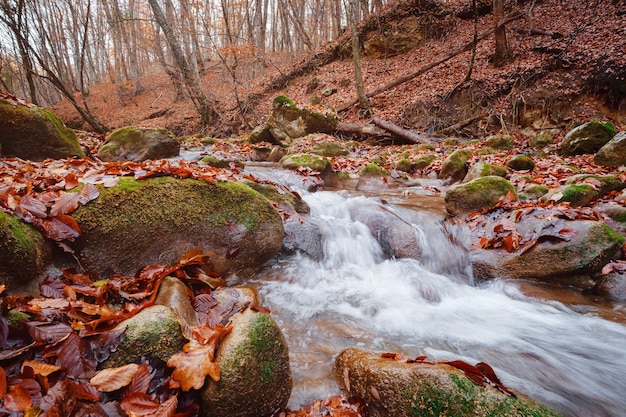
column 565, row 355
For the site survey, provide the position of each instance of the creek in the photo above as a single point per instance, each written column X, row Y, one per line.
column 561, row 348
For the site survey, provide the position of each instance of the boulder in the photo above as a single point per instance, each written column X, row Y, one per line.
column 587, row 138
column 422, row 161
column 482, row 169
column 541, row 140
column 154, row 331
column 24, row 255
column 157, row 220
column 319, row 144
column 403, row 165
column 289, row 122
column 397, row 38
column 613, row 153
column 481, row 193
column 500, row 142
column 30, row 132
column 138, row 144
column 173, row 293
column 534, row 191
column 392, row 388
column 558, row 252
column 307, row 160
column 612, row 285
column 521, row 163
column 454, row 167
column 581, row 189
column 254, row 365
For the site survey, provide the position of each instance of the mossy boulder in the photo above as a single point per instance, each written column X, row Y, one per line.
column 521, row 163
column 613, row 153
column 154, row 331
column 319, row 144
column 534, row 191
column 24, row 255
column 392, row 388
column 403, row 165
column 562, row 252
column 216, row 162
column 254, row 364
column 500, row 142
column 157, row 220
column 581, row 189
column 454, row 167
column 422, row 161
column 288, row 122
column 587, row 138
column 541, row 140
column 30, row 132
column 481, row 193
column 373, row 170
column 483, row 169
column 307, row 160
column 138, row 144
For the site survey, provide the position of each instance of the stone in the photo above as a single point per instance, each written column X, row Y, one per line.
column 254, row 365
column 307, row 160
column 587, row 138
column 154, row 331
column 535, row 191
column 373, row 170
column 24, row 255
column 173, row 293
column 454, row 167
column 541, row 140
column 482, row 169
column 500, row 142
column 422, row 161
column 521, row 163
column 403, row 165
column 581, row 189
column 138, row 144
column 613, row 153
column 612, row 285
column 393, row 388
column 157, row 220
column 276, row 154
column 319, row 144
column 33, row 133
column 481, row 193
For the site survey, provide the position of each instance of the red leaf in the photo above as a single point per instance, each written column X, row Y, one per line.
column 34, row 206
column 18, row 399
column 471, row 372
column 141, row 381
column 3, row 383
column 66, row 203
column 82, row 391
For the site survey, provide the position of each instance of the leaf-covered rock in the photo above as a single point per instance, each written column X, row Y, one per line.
column 154, row 331
column 393, row 388
column 581, row 189
column 454, row 167
column 24, row 255
column 613, row 153
column 255, row 375
column 587, row 138
column 30, row 132
column 138, row 144
column 483, row 192
column 157, row 220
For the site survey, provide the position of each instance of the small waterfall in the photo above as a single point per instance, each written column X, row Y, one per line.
column 356, row 296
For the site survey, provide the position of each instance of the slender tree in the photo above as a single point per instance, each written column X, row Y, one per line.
column 501, row 53
column 356, row 55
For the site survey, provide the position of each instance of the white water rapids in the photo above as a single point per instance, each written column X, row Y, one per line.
column 570, row 360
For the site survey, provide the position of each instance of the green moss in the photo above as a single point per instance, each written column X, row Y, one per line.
column 373, row 170
column 215, row 162
column 403, row 165
column 329, row 149
column 450, row 142
column 315, row 162
column 521, row 163
column 536, row 190
column 422, row 161
column 283, row 101
column 491, row 169
column 605, row 232
column 486, row 151
column 14, row 317
column 425, row 146
column 541, row 140
column 577, row 194
column 208, row 141
column 499, row 142
column 379, row 160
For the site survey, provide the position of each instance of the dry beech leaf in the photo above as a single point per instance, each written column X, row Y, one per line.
column 41, row 368
column 112, row 379
column 18, row 399
column 3, row 383
column 193, row 364
column 66, row 203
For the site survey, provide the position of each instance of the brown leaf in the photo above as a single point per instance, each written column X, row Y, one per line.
column 40, row 368
column 48, row 333
column 112, row 379
column 17, row 399
column 471, row 372
column 3, row 383
column 88, row 193
column 141, row 380
column 66, row 203
column 81, row 391
column 141, row 405
column 34, row 206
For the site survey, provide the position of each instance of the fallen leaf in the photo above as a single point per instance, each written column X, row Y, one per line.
column 40, row 368
column 112, row 379
column 18, row 399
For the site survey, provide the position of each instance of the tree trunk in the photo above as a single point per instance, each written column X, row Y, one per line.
column 356, row 55
column 208, row 114
column 501, row 53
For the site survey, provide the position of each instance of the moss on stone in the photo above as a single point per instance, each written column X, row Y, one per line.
column 577, row 194
column 425, row 147
column 455, row 165
column 329, row 149
column 283, row 101
column 403, row 165
column 483, row 192
column 422, row 161
column 521, row 163
column 536, row 190
column 312, row 161
column 500, row 142
column 588, row 138
column 373, row 170
column 486, row 151
column 450, row 142
column 14, row 318
column 541, row 140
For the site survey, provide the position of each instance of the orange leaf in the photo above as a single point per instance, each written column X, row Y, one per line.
column 193, row 364
column 141, row 405
column 3, row 383
column 40, row 368
column 112, row 379
column 18, row 399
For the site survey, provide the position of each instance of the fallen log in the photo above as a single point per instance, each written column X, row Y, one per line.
column 360, row 129
column 426, row 68
column 401, row 132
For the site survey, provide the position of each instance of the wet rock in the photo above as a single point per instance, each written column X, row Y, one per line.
column 587, row 138
column 319, row 144
column 276, row 154
column 521, row 163
column 138, row 144
column 24, row 255
column 613, row 153
column 34, row 133
column 454, row 167
column 612, row 285
column 154, row 331
column 561, row 252
column 482, row 169
column 392, row 388
column 581, row 189
column 422, row 161
column 157, row 220
column 305, row 160
column 535, row 191
column 254, row 364
column 483, row 192
column 173, row 293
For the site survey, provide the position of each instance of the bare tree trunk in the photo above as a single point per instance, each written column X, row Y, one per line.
column 501, row 53
column 208, row 114
column 356, row 55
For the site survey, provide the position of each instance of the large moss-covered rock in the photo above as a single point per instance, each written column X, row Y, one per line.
column 307, row 160
column 587, row 138
column 563, row 253
column 392, row 388
column 500, row 142
column 613, row 153
column 422, row 161
column 154, row 331
column 30, row 132
column 254, row 365
column 541, row 140
column 454, row 167
column 483, row 192
column 24, row 255
column 157, row 220
column 482, row 169
column 319, row 144
column 138, row 144
column 581, row 189
column 521, row 163
column 289, row 122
